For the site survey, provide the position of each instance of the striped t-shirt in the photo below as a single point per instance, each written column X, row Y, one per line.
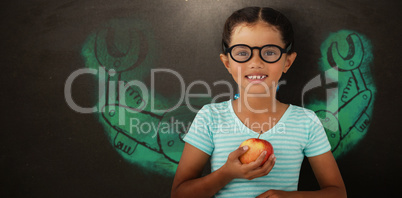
column 217, row 131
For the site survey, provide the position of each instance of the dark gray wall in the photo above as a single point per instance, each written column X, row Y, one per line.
column 49, row 150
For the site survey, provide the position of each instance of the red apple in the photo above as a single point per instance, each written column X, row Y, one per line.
column 255, row 147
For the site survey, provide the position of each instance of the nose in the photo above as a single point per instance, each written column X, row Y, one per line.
column 256, row 62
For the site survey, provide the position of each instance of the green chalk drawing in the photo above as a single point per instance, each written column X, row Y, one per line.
column 346, row 115
column 124, row 52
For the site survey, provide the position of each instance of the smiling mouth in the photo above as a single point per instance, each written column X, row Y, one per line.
column 256, row 77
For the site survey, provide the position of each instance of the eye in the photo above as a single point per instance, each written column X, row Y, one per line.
column 269, row 53
column 242, row 53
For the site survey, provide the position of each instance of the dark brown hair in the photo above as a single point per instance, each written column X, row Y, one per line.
column 250, row 15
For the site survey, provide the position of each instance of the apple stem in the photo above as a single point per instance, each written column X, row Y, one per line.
column 259, row 135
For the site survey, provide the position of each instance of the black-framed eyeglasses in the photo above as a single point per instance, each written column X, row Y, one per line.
column 242, row 53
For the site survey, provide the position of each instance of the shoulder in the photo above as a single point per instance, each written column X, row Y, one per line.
column 301, row 110
column 215, row 109
column 304, row 115
column 215, row 112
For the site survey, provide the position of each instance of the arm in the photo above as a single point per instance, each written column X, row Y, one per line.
column 188, row 183
column 328, row 176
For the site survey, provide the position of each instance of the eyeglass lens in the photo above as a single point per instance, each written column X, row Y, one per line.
column 268, row 53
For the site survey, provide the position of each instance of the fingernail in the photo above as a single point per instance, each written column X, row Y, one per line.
column 273, row 156
column 264, row 152
column 245, row 147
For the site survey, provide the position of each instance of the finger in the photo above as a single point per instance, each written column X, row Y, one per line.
column 270, row 162
column 238, row 152
column 254, row 169
column 265, row 194
column 265, row 169
column 258, row 162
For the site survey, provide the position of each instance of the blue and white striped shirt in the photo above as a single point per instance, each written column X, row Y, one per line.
column 217, row 131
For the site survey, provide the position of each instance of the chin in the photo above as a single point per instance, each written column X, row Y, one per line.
column 260, row 89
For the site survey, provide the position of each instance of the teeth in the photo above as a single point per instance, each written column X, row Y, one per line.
column 256, row 77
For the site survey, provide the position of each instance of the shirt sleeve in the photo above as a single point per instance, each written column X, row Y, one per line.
column 199, row 134
column 318, row 141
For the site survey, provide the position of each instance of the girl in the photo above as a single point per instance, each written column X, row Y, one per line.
column 257, row 49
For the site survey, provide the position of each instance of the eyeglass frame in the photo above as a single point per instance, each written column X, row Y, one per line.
column 229, row 50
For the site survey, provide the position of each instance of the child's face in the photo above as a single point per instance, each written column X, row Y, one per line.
column 256, row 76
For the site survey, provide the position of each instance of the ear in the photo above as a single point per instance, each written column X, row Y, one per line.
column 225, row 61
column 290, row 58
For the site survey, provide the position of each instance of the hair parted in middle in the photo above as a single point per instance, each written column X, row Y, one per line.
column 252, row 15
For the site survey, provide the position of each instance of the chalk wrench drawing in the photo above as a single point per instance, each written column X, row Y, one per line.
column 125, row 49
column 346, row 117
column 355, row 94
column 114, row 61
column 165, row 140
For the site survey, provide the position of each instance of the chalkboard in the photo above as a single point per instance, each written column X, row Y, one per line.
column 75, row 125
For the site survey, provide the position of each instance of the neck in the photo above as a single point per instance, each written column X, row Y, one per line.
column 249, row 103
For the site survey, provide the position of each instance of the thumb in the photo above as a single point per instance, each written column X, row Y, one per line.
column 240, row 151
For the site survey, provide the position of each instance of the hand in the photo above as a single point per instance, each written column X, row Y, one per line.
column 275, row 194
column 235, row 169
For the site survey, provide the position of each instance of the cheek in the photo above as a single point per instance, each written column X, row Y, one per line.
column 236, row 69
column 279, row 67
column 237, row 74
column 276, row 71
